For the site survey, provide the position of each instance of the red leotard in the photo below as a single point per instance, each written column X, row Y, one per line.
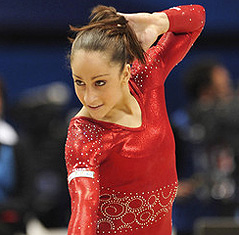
column 123, row 180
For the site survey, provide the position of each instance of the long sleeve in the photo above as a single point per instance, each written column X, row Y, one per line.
column 84, row 191
column 83, row 156
column 186, row 24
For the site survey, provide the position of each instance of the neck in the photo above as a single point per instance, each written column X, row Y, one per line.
column 127, row 106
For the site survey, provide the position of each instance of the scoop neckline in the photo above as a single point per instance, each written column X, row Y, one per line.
column 138, row 96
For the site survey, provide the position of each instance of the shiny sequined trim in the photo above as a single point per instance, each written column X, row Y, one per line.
column 127, row 212
column 83, row 145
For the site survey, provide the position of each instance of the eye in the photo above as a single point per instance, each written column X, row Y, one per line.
column 100, row 83
column 79, row 83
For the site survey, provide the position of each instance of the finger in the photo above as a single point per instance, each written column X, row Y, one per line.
column 122, row 14
column 127, row 16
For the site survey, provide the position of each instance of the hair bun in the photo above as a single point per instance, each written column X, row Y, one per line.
column 101, row 12
column 109, row 30
column 122, row 21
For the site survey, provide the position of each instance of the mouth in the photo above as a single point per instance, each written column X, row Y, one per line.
column 94, row 107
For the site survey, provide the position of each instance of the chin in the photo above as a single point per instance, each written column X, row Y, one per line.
column 100, row 114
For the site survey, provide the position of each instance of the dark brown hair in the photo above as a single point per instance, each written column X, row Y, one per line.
column 110, row 32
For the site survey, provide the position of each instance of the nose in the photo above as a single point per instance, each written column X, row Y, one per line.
column 90, row 96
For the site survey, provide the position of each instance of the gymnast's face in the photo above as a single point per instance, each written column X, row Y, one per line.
column 99, row 84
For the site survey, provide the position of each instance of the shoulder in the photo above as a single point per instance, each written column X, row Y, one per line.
column 149, row 75
column 83, row 113
column 80, row 128
column 87, row 143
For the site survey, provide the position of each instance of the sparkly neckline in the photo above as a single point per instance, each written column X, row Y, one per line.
column 110, row 125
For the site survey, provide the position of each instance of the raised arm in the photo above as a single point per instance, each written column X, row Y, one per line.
column 184, row 19
column 148, row 26
column 185, row 25
column 180, row 27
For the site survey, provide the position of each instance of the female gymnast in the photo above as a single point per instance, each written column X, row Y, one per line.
column 120, row 152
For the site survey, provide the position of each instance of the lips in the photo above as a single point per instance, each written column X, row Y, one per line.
column 95, row 107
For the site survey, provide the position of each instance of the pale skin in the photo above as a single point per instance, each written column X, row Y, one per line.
column 103, row 90
column 100, row 84
column 148, row 26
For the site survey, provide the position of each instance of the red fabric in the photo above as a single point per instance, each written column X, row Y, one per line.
column 135, row 180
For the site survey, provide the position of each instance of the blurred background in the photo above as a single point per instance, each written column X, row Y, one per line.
column 37, row 101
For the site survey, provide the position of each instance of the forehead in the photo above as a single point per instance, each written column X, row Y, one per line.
column 91, row 56
column 92, row 62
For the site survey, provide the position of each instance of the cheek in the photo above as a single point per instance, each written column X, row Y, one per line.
column 113, row 94
column 79, row 93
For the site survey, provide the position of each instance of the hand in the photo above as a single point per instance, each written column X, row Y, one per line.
column 147, row 26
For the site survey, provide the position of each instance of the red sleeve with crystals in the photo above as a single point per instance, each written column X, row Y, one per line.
column 83, row 156
column 186, row 23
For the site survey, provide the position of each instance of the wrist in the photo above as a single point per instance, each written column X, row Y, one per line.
column 161, row 22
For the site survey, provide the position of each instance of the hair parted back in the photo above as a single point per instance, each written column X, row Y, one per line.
column 108, row 32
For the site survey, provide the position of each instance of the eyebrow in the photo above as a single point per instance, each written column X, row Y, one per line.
column 97, row 76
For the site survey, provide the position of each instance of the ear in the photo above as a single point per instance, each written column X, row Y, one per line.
column 126, row 73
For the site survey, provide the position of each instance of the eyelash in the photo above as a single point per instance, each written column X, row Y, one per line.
column 79, row 83
column 97, row 83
